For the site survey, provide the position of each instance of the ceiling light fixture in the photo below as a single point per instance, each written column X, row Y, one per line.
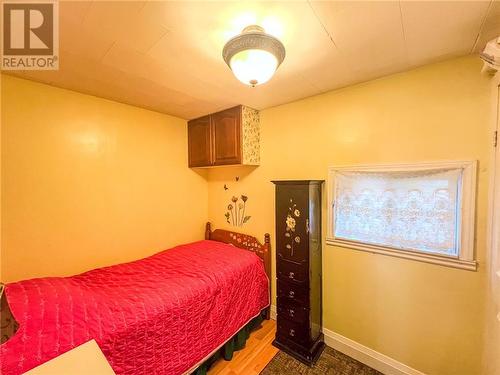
column 253, row 56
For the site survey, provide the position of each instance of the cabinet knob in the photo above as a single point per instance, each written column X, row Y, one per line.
column 291, row 275
column 291, row 312
column 292, row 332
column 291, row 293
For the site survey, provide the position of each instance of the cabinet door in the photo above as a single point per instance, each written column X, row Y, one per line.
column 226, row 128
column 292, row 223
column 199, row 142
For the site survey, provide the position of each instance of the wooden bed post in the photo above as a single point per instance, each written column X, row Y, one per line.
column 208, row 230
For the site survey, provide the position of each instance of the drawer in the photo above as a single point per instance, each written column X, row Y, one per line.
column 292, row 331
column 293, row 271
column 293, row 312
column 290, row 293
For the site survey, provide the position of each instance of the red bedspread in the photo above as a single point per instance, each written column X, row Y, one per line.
column 159, row 315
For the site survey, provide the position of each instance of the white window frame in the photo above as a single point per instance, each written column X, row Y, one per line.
column 465, row 258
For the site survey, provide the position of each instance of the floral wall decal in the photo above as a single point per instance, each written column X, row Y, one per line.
column 235, row 214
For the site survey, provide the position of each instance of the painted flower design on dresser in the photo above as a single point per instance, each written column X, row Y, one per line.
column 291, row 224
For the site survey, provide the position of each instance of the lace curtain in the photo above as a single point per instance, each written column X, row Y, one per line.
column 416, row 210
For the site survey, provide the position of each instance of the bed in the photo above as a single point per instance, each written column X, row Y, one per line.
column 165, row 314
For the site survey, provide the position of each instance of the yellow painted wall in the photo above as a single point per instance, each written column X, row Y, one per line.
column 491, row 360
column 426, row 316
column 88, row 182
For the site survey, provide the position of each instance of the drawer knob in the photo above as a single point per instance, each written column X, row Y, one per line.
column 291, row 293
column 292, row 332
column 291, row 275
column 291, row 312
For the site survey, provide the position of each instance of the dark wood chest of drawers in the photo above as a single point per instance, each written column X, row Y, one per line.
column 298, row 269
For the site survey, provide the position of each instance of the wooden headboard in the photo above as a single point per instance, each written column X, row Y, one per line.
column 246, row 242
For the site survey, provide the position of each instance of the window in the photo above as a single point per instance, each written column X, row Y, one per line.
column 422, row 211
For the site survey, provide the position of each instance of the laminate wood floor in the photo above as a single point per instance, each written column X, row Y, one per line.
column 252, row 359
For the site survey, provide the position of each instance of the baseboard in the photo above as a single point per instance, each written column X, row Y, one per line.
column 369, row 357
column 273, row 312
column 363, row 354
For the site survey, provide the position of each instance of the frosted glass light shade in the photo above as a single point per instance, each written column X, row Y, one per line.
column 253, row 56
column 253, row 67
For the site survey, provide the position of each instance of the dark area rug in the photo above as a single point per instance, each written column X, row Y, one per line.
column 331, row 362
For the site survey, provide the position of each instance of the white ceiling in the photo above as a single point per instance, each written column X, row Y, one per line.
column 166, row 55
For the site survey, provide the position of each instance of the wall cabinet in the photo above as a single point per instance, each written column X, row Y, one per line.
column 229, row 137
column 200, row 141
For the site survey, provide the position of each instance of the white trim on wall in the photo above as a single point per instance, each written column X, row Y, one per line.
column 491, row 361
column 494, row 219
column 368, row 356
column 363, row 354
column 465, row 260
